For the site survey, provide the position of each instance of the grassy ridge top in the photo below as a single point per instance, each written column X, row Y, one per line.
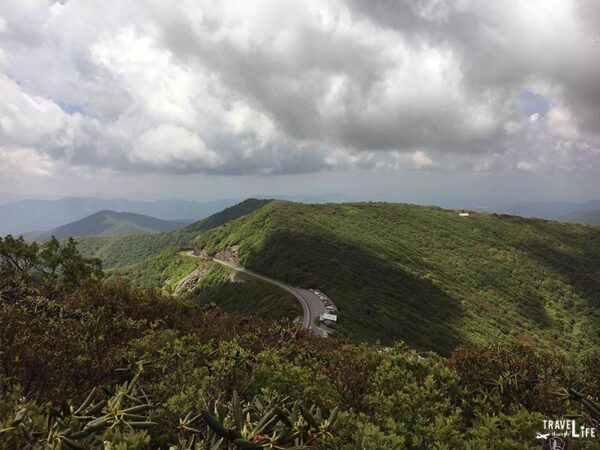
column 428, row 276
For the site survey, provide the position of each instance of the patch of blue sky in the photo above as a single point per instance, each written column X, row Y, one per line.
column 534, row 103
column 70, row 108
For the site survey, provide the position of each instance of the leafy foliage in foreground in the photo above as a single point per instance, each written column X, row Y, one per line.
column 86, row 363
column 426, row 275
column 54, row 264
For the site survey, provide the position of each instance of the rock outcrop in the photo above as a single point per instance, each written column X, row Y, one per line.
column 189, row 280
column 230, row 255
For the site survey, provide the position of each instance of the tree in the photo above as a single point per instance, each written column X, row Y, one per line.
column 51, row 260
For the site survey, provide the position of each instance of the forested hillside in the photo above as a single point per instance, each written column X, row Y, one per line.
column 115, row 251
column 429, row 276
column 88, row 363
column 205, row 281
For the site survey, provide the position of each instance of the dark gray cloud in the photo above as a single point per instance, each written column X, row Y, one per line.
column 271, row 87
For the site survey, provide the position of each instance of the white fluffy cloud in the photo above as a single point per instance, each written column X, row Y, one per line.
column 172, row 145
column 238, row 87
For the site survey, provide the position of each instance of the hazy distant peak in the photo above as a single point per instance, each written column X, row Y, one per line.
column 107, row 223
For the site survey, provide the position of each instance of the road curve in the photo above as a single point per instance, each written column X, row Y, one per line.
column 312, row 306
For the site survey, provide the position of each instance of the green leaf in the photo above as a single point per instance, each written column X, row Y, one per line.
column 333, row 416
column 19, row 417
column 215, row 425
column 244, row 444
column 236, row 409
column 86, row 402
column 72, row 444
column 309, row 417
column 142, row 425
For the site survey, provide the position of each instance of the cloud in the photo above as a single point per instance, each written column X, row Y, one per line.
column 169, row 145
column 271, row 87
column 19, row 111
column 24, row 161
column 526, row 166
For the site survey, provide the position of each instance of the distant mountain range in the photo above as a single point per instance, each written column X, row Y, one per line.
column 22, row 215
column 425, row 275
column 117, row 251
column 107, row 223
column 584, row 217
column 563, row 211
column 26, row 215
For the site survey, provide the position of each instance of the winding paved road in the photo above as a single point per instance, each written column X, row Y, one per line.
column 312, row 306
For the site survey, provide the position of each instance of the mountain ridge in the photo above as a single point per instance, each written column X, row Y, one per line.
column 589, row 217
column 107, row 223
column 118, row 251
column 427, row 275
column 23, row 215
column 550, row 210
column 31, row 214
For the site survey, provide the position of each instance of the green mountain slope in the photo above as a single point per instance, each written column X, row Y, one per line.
column 427, row 275
column 584, row 217
column 208, row 282
column 97, row 364
column 118, row 251
column 107, row 223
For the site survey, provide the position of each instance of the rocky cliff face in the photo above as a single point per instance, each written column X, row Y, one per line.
column 230, row 255
column 201, row 253
column 190, row 280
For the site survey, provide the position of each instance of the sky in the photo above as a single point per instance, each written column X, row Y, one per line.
column 415, row 100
